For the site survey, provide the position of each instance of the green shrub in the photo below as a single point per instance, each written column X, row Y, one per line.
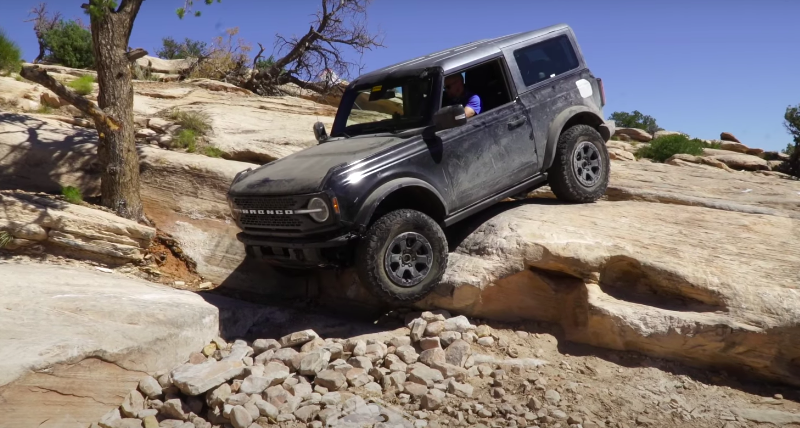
column 70, row 44
column 187, row 139
column 10, row 54
column 662, row 148
column 213, row 152
column 83, row 84
column 44, row 109
column 5, row 238
column 18, row 78
column 72, row 194
column 171, row 49
column 198, row 122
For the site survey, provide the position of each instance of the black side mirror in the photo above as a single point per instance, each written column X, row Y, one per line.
column 449, row 117
column 319, row 132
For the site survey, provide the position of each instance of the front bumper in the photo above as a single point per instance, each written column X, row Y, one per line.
column 299, row 252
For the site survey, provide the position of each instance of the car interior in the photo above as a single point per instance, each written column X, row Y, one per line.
column 488, row 81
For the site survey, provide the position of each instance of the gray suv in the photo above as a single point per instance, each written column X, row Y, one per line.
column 402, row 163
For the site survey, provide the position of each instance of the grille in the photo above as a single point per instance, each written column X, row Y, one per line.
column 269, row 221
column 256, row 203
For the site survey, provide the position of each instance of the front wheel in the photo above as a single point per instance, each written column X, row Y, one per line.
column 581, row 168
column 403, row 256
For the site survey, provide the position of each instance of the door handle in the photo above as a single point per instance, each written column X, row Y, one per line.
column 515, row 123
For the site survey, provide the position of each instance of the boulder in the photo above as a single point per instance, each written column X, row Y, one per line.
column 737, row 161
column 619, row 154
column 727, row 136
column 87, row 340
column 52, row 100
column 733, row 146
column 166, row 66
column 682, row 299
column 662, row 133
column 75, row 229
column 634, row 134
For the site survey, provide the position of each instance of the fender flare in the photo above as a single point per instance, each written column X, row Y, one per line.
column 557, row 125
column 380, row 193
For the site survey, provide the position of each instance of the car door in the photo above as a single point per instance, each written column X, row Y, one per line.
column 487, row 154
column 550, row 75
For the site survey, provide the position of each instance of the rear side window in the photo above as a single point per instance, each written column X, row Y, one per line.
column 545, row 60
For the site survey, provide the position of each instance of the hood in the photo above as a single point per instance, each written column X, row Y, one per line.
column 304, row 171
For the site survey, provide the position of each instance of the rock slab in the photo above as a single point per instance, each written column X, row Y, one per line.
column 77, row 341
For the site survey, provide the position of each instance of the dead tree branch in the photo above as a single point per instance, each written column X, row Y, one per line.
column 340, row 27
column 135, row 54
column 42, row 23
column 40, row 76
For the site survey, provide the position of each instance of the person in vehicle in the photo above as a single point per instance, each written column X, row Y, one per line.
column 457, row 93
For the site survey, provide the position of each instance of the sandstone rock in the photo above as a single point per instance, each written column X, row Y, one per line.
column 434, row 328
column 457, row 353
column 407, row 354
column 394, row 363
column 737, row 161
column 734, row 146
column 727, row 136
column 360, row 362
column 357, row 377
column 145, row 133
column 128, row 321
column 448, row 337
column 159, row 125
column 776, row 417
column 460, row 324
column 167, row 66
column 313, row 345
column 433, row 355
column 399, row 341
column 330, row 379
column 150, row 387
column 486, row 341
column 132, row 404
column 218, row 396
column 658, row 134
column 298, row 338
column 194, row 379
column 622, row 155
column 307, row 413
column 51, row 100
column 267, row 409
column 285, row 356
column 634, row 133
column 315, row 362
column 552, row 397
column 463, row 390
column 425, row 376
column 174, row 409
column 429, row 343
column 240, row 417
column 417, row 327
column 360, row 348
column 433, row 400
column 415, row 389
column 262, row 345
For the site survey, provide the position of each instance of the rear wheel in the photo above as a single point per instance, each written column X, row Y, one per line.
column 403, row 256
column 581, row 167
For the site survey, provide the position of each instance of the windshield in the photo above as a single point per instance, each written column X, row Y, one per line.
column 389, row 106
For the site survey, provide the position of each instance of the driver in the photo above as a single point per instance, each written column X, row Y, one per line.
column 458, row 94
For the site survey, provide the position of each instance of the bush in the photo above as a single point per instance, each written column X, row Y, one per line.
column 213, row 152
column 70, row 44
column 72, row 194
column 187, row 139
column 662, row 148
column 188, row 49
column 83, row 84
column 5, row 238
column 635, row 120
column 198, row 122
column 225, row 59
column 10, row 55
column 44, row 109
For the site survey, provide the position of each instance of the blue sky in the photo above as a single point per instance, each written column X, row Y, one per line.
column 697, row 66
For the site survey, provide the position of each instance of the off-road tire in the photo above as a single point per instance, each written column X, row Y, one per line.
column 562, row 175
column 372, row 248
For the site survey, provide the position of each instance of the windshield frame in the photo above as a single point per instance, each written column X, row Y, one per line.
column 347, row 102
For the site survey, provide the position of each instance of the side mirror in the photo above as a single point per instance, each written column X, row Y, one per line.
column 319, row 132
column 449, row 117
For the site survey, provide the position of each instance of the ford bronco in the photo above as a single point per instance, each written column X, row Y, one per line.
column 400, row 164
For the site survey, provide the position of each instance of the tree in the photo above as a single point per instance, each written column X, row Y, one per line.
column 70, row 44
column 339, row 24
column 171, row 49
column 42, row 23
column 635, row 120
column 10, row 55
column 791, row 120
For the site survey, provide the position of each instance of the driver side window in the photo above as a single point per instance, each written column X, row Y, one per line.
column 487, row 81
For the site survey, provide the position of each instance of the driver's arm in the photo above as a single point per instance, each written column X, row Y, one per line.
column 473, row 106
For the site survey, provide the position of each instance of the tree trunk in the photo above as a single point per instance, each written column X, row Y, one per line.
column 119, row 180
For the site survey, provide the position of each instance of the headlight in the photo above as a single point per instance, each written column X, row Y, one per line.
column 318, row 210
